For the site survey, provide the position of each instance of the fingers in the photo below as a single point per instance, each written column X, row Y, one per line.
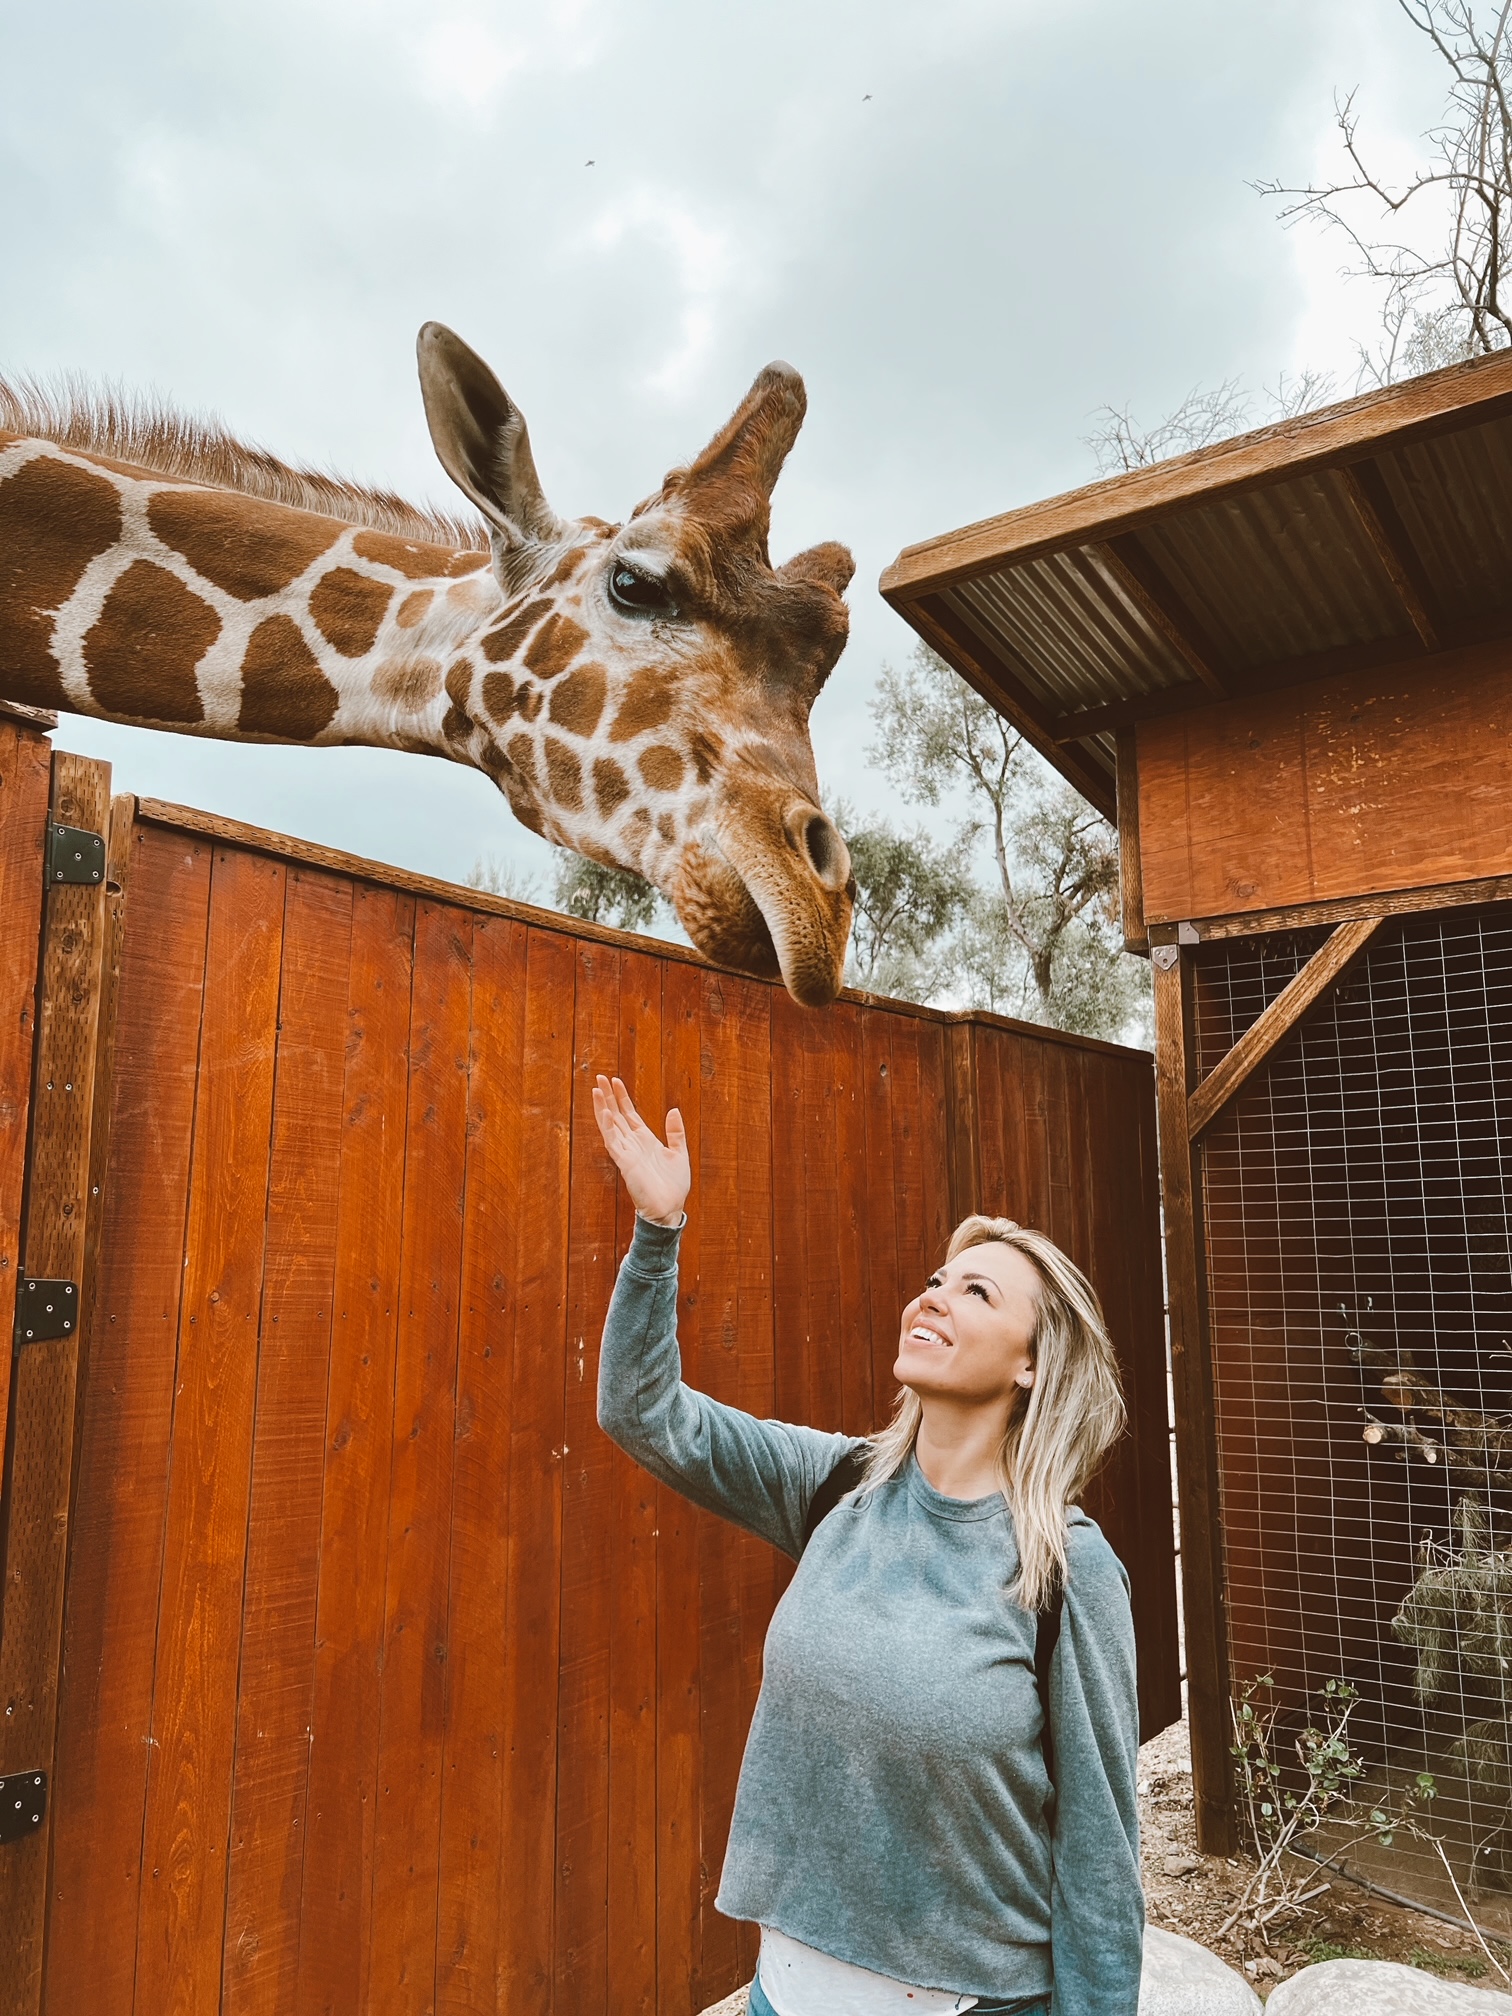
column 677, row 1134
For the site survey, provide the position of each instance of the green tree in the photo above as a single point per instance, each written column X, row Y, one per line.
column 602, row 895
column 1040, row 938
column 910, row 892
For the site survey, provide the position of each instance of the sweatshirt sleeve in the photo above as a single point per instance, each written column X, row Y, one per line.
column 1096, row 1901
column 760, row 1474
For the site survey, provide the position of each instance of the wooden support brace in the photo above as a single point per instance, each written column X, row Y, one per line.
column 44, row 1379
column 1229, row 1077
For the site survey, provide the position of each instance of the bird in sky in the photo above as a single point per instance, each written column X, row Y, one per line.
column 866, row 99
column 587, row 164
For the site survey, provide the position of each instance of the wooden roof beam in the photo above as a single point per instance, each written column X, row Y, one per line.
column 998, row 682
column 1131, row 569
column 1382, row 524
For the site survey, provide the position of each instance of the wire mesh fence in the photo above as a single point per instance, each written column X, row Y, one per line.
column 1359, row 1283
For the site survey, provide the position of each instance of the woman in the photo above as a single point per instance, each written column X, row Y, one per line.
column 897, row 1831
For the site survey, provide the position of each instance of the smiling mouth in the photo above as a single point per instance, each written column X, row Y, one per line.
column 922, row 1334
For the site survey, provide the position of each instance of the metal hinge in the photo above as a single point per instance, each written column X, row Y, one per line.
column 23, row 1804
column 75, row 855
column 46, row 1310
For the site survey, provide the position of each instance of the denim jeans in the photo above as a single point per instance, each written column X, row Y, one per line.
column 1037, row 2005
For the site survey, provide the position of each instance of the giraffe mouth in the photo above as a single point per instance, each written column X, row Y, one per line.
column 770, row 894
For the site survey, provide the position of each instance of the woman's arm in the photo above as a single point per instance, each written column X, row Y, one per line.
column 761, row 1474
column 1096, row 1902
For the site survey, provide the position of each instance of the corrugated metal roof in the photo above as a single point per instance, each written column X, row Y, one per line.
column 1376, row 529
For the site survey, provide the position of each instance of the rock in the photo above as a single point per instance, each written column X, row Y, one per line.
column 1378, row 1988
column 1182, row 1978
column 1181, row 1865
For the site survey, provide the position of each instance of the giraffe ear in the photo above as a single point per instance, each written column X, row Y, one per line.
column 480, row 436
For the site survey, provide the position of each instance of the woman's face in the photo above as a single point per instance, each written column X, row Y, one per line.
column 967, row 1337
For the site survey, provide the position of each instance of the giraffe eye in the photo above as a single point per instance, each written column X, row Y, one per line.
column 639, row 594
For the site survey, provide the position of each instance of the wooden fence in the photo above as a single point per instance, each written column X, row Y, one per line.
column 368, row 1676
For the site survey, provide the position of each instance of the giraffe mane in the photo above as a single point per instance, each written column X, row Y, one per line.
column 147, row 432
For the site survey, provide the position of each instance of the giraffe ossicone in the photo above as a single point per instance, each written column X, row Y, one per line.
column 640, row 692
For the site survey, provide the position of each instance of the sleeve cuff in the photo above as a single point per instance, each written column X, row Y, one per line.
column 653, row 1248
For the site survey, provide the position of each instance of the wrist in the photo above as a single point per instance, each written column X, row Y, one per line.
column 673, row 1221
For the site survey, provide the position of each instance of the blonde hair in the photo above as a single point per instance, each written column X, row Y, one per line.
column 1073, row 1414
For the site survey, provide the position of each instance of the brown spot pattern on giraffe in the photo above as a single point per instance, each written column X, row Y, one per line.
column 415, row 559
column 458, row 682
column 499, row 695
column 521, row 751
column 554, row 646
column 413, row 607
column 145, row 643
column 241, row 545
column 579, row 701
column 648, row 702
column 506, row 640
column 457, row 726
column 662, row 768
column 348, row 609
column 564, row 775
column 407, row 683
column 567, row 566
column 54, row 519
column 665, row 827
column 284, row 691
column 706, row 750
column 610, row 785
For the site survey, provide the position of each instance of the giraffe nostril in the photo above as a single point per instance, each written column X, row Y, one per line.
column 818, row 840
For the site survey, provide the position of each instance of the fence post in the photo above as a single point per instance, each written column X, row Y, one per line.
column 44, row 1370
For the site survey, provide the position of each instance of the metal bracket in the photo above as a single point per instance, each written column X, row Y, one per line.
column 46, row 1310
column 75, row 855
column 23, row 1804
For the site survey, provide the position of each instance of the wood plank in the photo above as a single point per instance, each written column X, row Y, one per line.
column 473, row 1840
column 265, row 1874
column 933, row 1093
column 852, row 1342
column 962, row 1120
column 721, row 1724
column 1464, row 395
column 1229, row 1077
column 1382, row 524
column 916, row 1257
column 114, row 1576
column 885, row 1287
column 1196, row 1435
column 182, row 1912
column 821, row 1283
column 531, row 1651
column 760, row 1567
column 583, row 1681
column 790, row 1388
column 412, row 1713
column 25, row 785
column 1305, row 916
column 44, row 1376
column 1136, row 936
column 632, row 1549
column 336, row 1909
column 1369, row 781
column 678, row 1846
column 1138, row 577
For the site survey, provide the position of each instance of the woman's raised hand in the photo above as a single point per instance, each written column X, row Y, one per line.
column 656, row 1173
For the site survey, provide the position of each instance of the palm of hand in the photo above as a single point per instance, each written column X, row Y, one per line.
column 657, row 1173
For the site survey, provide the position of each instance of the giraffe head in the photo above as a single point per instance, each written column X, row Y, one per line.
column 643, row 696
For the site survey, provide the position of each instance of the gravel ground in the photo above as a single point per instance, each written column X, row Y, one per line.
column 1194, row 1894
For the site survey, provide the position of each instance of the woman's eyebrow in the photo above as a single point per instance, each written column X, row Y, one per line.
column 978, row 1277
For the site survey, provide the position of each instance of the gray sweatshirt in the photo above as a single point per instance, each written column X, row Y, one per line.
column 893, row 1808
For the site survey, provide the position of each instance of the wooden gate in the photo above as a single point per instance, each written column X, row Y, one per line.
column 365, row 1673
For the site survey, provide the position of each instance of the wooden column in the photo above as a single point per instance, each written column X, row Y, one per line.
column 1196, row 1431
column 44, row 1377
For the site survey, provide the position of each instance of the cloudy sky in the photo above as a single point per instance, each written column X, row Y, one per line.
column 968, row 222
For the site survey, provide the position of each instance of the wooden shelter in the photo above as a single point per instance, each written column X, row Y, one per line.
column 1284, row 664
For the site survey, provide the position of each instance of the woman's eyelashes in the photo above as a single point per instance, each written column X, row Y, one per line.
column 972, row 1287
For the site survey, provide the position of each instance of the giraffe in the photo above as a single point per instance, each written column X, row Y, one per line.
column 640, row 692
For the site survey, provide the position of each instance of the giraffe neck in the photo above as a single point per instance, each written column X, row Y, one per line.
column 136, row 598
